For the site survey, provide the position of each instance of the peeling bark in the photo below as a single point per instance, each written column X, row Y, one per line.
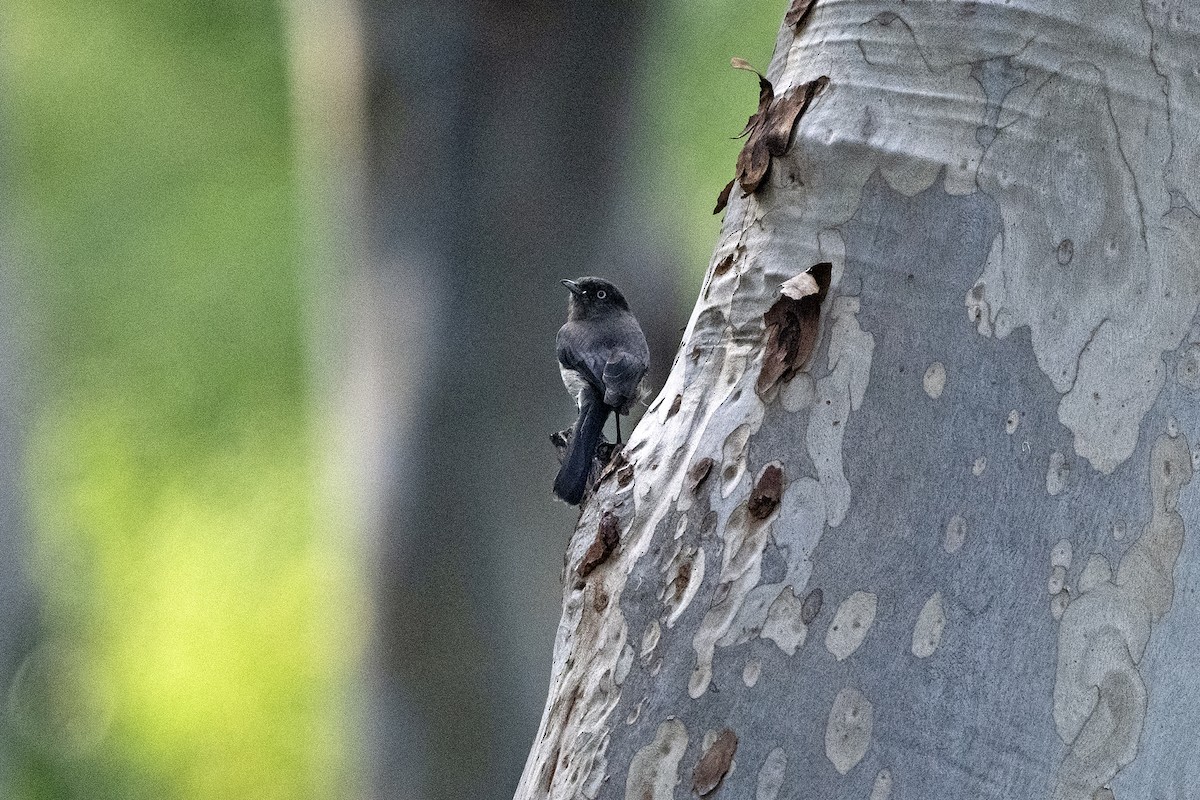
column 950, row 555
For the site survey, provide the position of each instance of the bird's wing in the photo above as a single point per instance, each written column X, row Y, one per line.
column 575, row 355
column 621, row 375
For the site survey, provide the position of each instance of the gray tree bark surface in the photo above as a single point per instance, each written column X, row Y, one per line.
column 953, row 556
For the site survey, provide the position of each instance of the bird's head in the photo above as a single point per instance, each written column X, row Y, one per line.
column 592, row 296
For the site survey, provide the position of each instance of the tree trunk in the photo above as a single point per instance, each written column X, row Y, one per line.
column 486, row 184
column 19, row 623
column 949, row 557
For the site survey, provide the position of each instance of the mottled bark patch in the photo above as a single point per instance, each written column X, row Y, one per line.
column 848, row 730
column 927, row 633
column 698, row 473
column 851, row 621
column 811, row 606
column 1100, row 696
column 654, row 770
column 770, row 775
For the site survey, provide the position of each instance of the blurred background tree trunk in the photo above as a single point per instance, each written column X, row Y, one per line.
column 486, row 182
column 18, row 612
column 954, row 555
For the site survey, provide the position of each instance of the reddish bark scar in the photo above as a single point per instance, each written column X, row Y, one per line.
column 608, row 536
column 714, row 764
column 764, row 498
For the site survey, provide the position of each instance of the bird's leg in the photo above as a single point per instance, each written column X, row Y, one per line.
column 618, row 416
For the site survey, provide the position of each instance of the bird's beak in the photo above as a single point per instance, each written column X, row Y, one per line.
column 573, row 286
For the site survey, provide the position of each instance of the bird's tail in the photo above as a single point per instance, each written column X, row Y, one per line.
column 572, row 477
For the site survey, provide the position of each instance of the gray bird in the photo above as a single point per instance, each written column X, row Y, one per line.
column 602, row 356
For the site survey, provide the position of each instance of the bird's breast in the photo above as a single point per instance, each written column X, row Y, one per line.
column 574, row 382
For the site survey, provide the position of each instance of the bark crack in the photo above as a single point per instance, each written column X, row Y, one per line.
column 1137, row 192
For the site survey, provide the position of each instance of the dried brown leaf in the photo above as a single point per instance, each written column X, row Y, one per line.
column 791, row 328
column 683, row 576
column 714, row 764
column 777, row 127
column 625, row 475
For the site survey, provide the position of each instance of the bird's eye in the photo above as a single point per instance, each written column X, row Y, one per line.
column 600, row 295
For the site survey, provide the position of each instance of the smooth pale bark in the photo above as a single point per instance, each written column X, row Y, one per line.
column 982, row 578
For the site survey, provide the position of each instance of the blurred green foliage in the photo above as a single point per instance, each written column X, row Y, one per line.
column 188, row 590
column 195, row 609
column 695, row 105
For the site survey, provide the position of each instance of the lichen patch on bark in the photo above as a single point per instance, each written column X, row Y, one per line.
column 784, row 625
column 848, row 730
column 851, row 622
column 927, row 633
column 771, row 775
column 882, row 788
column 654, row 769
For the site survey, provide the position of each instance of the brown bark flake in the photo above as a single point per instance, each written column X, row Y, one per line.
column 608, row 535
column 764, row 498
column 625, row 475
column 697, row 474
column 723, row 265
column 600, row 601
column 723, row 197
column 791, row 328
column 769, row 130
column 675, row 405
column 798, row 12
column 714, row 764
column 682, row 577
